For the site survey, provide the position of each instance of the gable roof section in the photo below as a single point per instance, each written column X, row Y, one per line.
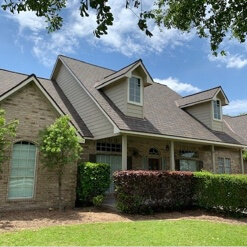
column 10, row 82
column 201, row 97
column 238, row 125
column 124, row 72
column 162, row 116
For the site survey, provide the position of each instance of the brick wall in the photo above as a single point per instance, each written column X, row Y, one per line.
column 34, row 112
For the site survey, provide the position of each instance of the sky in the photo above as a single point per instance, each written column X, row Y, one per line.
column 182, row 61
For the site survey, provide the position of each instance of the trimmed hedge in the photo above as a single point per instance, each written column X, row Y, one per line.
column 225, row 193
column 93, row 180
column 152, row 191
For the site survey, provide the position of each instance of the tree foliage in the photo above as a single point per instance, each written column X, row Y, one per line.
column 245, row 154
column 214, row 19
column 59, row 147
column 7, row 131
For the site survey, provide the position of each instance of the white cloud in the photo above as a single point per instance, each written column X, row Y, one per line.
column 124, row 36
column 178, row 86
column 236, row 107
column 28, row 20
column 231, row 61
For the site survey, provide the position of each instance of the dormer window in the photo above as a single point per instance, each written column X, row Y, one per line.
column 135, row 90
column 217, row 109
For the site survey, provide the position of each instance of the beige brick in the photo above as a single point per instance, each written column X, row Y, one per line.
column 35, row 112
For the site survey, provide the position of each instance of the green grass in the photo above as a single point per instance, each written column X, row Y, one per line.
column 166, row 232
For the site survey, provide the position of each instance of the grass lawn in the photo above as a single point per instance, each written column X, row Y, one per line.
column 163, row 232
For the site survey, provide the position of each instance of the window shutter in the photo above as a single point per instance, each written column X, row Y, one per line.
column 92, row 158
column 129, row 163
column 164, row 165
column 177, row 165
column 144, row 163
column 200, row 165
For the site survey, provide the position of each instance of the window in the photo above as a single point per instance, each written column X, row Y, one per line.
column 154, row 151
column 135, row 90
column 108, row 147
column 224, row 165
column 189, row 165
column 22, row 172
column 188, row 154
column 217, row 109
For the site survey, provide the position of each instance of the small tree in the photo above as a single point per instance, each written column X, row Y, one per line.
column 59, row 147
column 7, row 131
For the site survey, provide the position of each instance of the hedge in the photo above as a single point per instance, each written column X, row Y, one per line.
column 222, row 192
column 152, row 191
column 93, row 180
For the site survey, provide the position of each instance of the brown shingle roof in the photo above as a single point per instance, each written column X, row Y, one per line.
column 238, row 124
column 198, row 97
column 116, row 74
column 9, row 80
column 162, row 116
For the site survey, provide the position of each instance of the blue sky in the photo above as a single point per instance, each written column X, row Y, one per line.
column 181, row 61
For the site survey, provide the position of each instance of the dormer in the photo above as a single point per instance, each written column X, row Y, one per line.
column 206, row 107
column 125, row 88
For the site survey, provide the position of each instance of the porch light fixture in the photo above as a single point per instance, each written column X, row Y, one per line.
column 167, row 147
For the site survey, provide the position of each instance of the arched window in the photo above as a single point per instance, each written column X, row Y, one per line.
column 22, row 171
column 154, row 151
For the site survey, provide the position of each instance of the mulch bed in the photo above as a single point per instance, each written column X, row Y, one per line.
column 34, row 219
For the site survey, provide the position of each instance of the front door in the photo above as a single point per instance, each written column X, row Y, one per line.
column 153, row 164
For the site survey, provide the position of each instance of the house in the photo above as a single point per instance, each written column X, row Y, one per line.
column 238, row 125
column 126, row 120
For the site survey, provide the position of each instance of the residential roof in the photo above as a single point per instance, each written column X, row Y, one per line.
column 162, row 115
column 238, row 124
column 116, row 74
column 200, row 97
column 10, row 80
column 120, row 73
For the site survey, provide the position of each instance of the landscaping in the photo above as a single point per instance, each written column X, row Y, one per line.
column 140, row 233
column 147, row 192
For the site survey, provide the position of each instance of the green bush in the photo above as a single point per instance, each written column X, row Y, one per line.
column 93, row 180
column 152, row 191
column 226, row 193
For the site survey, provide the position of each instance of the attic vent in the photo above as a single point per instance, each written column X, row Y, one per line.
column 154, row 151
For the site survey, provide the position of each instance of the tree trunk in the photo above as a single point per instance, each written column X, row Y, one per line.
column 60, row 203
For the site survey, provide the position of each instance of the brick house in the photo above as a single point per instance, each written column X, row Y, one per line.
column 126, row 120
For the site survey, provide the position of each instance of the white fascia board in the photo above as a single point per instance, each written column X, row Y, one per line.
column 34, row 79
column 111, row 81
column 216, row 94
column 55, row 67
column 195, row 103
column 184, row 139
column 91, row 97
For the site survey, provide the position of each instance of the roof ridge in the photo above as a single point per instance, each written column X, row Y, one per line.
column 241, row 115
column 87, row 63
column 14, row 72
column 130, row 65
column 201, row 92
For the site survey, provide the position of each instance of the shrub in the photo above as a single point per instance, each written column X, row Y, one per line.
column 152, row 191
column 93, row 180
column 227, row 193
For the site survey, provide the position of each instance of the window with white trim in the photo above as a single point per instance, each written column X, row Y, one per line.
column 22, row 171
column 224, row 165
column 135, row 90
column 217, row 109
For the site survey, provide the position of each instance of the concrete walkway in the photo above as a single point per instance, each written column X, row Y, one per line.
column 109, row 202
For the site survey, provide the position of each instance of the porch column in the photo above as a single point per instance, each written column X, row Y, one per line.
column 241, row 160
column 213, row 158
column 124, row 152
column 172, row 158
